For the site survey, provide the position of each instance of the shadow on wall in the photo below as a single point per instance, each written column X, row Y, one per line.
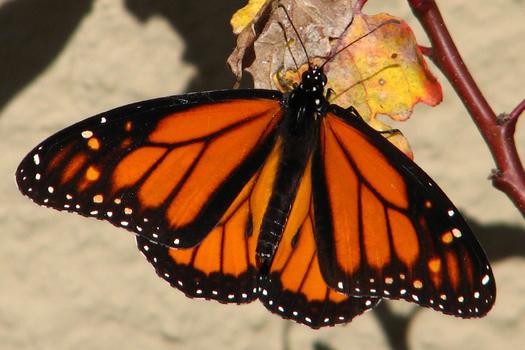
column 205, row 28
column 33, row 33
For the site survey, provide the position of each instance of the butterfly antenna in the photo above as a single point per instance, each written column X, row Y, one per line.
column 390, row 21
column 296, row 33
column 288, row 46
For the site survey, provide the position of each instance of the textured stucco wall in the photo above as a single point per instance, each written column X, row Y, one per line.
column 68, row 282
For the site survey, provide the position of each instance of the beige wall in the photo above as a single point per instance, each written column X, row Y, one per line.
column 69, row 282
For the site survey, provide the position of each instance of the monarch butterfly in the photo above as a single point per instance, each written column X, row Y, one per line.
column 239, row 195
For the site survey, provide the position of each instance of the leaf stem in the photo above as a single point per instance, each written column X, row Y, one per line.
column 498, row 132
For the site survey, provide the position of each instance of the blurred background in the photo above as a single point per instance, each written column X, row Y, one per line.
column 69, row 282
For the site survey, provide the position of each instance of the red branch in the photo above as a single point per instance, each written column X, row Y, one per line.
column 498, row 131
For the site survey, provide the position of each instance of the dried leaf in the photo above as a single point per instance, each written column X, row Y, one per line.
column 261, row 44
column 247, row 25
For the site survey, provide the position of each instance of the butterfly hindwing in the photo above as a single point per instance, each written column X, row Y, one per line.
column 166, row 169
column 221, row 266
column 294, row 287
column 385, row 228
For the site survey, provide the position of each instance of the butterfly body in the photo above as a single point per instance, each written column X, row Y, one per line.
column 298, row 136
column 239, row 195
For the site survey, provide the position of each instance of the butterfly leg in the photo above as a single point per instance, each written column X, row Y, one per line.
column 329, row 93
column 354, row 112
column 391, row 132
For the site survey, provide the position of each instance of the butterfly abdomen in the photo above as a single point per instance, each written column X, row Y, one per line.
column 299, row 133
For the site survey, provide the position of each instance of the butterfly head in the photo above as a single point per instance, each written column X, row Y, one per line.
column 313, row 80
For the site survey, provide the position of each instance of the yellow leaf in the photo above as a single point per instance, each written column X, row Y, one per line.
column 245, row 16
column 383, row 73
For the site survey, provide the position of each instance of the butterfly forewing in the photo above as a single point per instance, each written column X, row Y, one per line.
column 386, row 229
column 146, row 167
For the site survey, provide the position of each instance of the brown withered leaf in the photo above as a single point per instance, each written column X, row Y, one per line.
column 261, row 47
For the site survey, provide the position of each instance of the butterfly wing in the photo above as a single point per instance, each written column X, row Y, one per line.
column 167, row 169
column 384, row 228
column 294, row 287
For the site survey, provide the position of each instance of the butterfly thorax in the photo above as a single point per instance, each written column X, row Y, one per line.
column 308, row 99
column 299, row 132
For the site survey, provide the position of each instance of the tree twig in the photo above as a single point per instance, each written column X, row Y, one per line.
column 498, row 131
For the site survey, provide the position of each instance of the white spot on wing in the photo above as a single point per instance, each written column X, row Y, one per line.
column 36, row 159
column 87, row 134
column 485, row 280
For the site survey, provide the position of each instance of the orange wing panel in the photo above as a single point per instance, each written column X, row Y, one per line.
column 343, row 194
column 220, row 157
column 404, row 237
column 208, row 254
column 136, row 163
column 165, row 177
column 375, row 235
column 210, row 118
column 73, row 166
column 235, row 259
column 371, row 163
